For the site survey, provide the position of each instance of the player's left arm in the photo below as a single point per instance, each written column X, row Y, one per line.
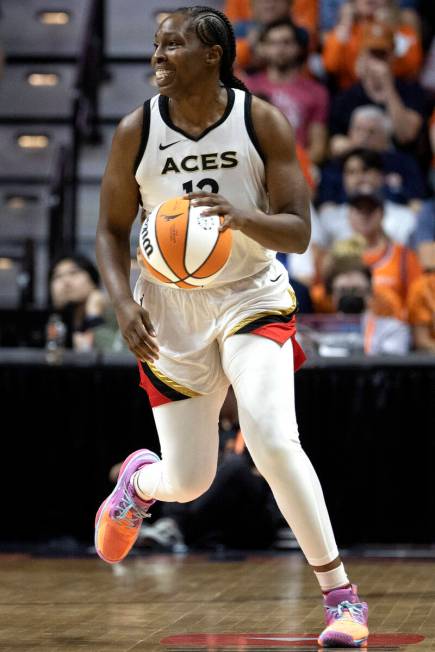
column 287, row 226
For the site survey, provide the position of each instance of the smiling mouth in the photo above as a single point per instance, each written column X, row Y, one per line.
column 163, row 75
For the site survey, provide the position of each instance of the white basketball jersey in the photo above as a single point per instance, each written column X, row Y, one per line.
column 225, row 159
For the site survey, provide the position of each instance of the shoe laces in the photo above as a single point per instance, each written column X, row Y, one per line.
column 355, row 610
column 128, row 513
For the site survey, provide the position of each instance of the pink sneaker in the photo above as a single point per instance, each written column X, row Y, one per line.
column 346, row 619
column 120, row 516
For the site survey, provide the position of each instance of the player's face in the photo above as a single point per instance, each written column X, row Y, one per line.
column 179, row 58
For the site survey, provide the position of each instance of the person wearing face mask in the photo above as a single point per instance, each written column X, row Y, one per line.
column 349, row 284
column 394, row 267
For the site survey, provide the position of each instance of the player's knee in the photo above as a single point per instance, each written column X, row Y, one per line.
column 272, row 452
column 191, row 487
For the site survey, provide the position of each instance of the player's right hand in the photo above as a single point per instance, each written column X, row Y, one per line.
column 137, row 330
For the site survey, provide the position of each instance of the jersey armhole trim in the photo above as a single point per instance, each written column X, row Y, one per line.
column 145, row 134
column 250, row 126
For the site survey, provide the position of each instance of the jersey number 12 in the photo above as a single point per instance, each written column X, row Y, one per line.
column 202, row 185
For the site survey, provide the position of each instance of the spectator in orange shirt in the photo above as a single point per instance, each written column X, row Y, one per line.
column 350, row 287
column 237, row 10
column 346, row 256
column 421, row 301
column 306, row 12
column 393, row 266
column 360, row 25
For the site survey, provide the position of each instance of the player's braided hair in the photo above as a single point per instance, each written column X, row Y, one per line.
column 213, row 28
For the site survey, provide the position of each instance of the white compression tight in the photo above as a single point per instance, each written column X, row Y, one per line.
column 261, row 373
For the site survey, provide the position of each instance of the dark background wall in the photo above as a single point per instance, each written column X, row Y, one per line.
column 368, row 427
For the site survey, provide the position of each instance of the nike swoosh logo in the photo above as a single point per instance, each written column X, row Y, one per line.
column 167, row 218
column 170, row 144
column 273, row 280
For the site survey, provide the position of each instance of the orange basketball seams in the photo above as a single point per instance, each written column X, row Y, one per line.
column 151, row 269
column 184, row 285
column 217, row 257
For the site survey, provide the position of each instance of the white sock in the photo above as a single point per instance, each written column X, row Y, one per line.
column 332, row 579
column 137, row 489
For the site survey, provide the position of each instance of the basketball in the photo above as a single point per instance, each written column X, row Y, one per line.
column 181, row 247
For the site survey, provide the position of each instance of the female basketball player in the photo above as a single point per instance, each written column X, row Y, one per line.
column 206, row 137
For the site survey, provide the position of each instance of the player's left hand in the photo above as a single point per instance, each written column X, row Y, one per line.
column 218, row 205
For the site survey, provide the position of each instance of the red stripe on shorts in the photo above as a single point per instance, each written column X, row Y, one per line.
column 280, row 332
column 155, row 397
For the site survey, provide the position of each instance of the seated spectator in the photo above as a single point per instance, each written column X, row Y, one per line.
column 304, row 102
column 374, row 25
column 75, row 294
column 350, row 288
column 346, row 255
column 249, row 17
column 371, row 128
column 393, row 266
column 362, row 172
column 247, row 30
column 421, row 301
column 404, row 102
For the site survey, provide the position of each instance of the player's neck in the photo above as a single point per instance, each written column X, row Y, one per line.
column 199, row 110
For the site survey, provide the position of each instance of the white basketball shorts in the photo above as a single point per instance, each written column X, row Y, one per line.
column 192, row 325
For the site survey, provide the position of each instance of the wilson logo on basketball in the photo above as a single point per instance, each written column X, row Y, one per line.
column 145, row 240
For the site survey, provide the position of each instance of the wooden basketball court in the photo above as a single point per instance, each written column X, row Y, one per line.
column 192, row 603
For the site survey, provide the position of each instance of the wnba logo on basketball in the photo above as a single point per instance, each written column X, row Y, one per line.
column 145, row 240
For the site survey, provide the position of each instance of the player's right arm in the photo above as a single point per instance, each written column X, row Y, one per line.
column 119, row 200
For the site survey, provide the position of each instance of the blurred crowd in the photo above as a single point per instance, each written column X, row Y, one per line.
column 356, row 79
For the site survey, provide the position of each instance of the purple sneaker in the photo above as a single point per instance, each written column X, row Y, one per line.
column 346, row 619
column 119, row 517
